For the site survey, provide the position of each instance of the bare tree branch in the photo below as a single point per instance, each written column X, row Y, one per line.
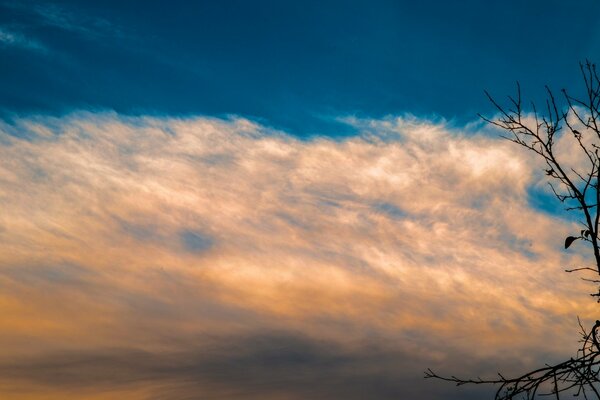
column 578, row 188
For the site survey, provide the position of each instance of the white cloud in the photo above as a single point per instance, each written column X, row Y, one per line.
column 134, row 229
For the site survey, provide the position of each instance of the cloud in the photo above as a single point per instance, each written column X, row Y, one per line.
column 16, row 39
column 137, row 238
column 59, row 17
column 264, row 366
column 65, row 19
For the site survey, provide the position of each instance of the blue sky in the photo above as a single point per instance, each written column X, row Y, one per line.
column 262, row 200
column 293, row 65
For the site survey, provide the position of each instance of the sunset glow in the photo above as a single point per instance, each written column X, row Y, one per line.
column 154, row 250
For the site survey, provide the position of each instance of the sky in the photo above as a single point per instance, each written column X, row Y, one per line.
column 279, row 200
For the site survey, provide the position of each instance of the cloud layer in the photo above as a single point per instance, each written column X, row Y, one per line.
column 175, row 258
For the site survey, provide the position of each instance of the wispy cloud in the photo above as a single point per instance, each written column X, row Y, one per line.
column 12, row 38
column 67, row 19
column 91, row 26
column 144, row 239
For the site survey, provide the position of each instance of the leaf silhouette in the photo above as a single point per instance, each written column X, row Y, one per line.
column 569, row 240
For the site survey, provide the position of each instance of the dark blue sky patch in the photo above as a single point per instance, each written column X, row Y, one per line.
column 195, row 241
column 295, row 66
column 389, row 209
column 542, row 199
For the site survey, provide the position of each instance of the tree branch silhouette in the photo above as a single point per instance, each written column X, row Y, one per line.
column 575, row 182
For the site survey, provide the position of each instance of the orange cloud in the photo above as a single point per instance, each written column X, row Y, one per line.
column 146, row 234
